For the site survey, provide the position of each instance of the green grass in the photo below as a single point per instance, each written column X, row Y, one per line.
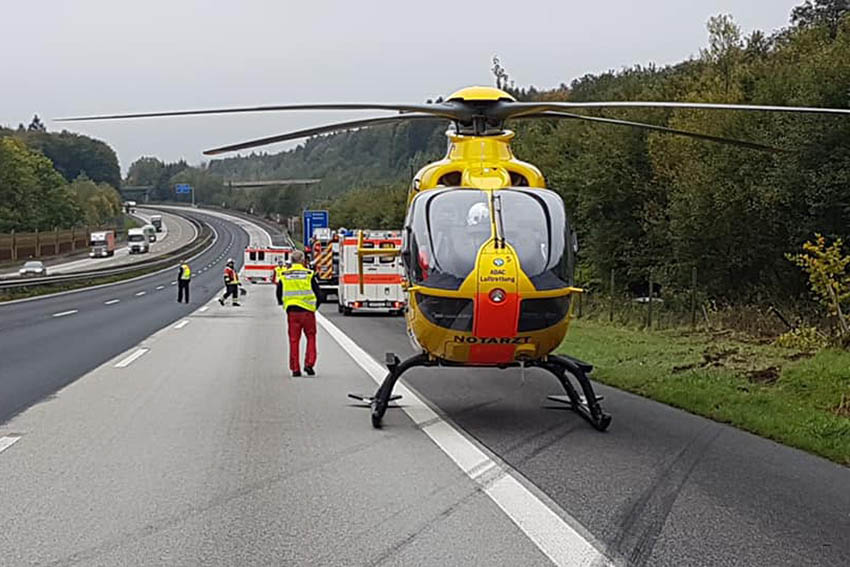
column 790, row 397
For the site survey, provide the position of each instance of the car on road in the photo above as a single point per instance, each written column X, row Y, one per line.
column 33, row 268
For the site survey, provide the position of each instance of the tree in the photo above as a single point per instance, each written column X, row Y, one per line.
column 826, row 13
column 36, row 125
column 828, row 274
column 32, row 194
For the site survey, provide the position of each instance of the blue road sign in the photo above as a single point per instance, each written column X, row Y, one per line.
column 312, row 221
column 182, row 188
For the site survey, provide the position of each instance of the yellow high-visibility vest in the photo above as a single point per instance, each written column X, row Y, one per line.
column 187, row 273
column 278, row 273
column 297, row 289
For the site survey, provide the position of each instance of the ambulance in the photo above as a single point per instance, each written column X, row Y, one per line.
column 260, row 263
column 382, row 275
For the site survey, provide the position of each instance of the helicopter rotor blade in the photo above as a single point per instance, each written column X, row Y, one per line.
column 507, row 110
column 652, row 127
column 327, row 129
column 448, row 109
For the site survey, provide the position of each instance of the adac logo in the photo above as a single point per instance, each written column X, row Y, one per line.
column 498, row 262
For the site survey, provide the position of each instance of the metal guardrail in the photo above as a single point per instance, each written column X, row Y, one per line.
column 199, row 244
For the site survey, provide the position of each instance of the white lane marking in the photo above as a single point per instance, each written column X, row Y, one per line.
column 556, row 538
column 173, row 283
column 181, row 324
column 111, row 302
column 159, row 287
column 8, row 441
column 204, row 308
column 63, row 313
column 130, row 359
column 141, row 293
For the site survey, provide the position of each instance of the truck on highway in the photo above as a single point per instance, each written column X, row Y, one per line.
column 382, row 275
column 156, row 221
column 150, row 232
column 129, row 207
column 102, row 244
column 137, row 241
column 323, row 251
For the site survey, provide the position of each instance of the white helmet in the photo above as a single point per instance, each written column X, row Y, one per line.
column 479, row 213
column 230, row 262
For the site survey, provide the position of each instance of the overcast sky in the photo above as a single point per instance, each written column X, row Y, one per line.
column 73, row 57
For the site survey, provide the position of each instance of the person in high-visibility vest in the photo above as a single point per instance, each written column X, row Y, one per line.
column 183, row 279
column 231, row 284
column 300, row 301
column 278, row 282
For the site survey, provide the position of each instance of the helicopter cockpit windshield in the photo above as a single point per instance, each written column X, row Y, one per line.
column 446, row 229
column 536, row 227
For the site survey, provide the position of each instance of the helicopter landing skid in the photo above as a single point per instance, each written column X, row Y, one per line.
column 586, row 404
column 382, row 398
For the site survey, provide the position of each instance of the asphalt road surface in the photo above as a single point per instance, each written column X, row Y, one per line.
column 48, row 342
column 193, row 446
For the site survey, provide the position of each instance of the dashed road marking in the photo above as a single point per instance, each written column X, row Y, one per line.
column 181, row 324
column 204, row 308
column 132, row 358
column 547, row 528
column 64, row 313
column 111, row 302
column 159, row 287
column 7, row 441
column 141, row 293
column 173, row 283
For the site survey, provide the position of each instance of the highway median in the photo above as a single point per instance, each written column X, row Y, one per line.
column 12, row 289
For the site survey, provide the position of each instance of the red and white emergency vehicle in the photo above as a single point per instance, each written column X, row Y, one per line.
column 382, row 275
column 260, row 263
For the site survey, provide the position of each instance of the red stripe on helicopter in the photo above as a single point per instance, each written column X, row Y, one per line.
column 372, row 279
column 494, row 320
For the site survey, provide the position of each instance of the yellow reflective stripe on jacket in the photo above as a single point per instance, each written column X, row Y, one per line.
column 187, row 273
column 297, row 288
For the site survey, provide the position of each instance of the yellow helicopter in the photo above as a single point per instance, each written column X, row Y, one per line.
column 488, row 250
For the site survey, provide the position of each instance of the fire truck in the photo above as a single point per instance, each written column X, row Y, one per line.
column 260, row 263
column 382, row 275
column 324, row 258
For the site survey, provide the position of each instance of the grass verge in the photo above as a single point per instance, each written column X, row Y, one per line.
column 798, row 399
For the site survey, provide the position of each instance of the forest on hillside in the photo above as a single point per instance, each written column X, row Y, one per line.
column 55, row 180
column 641, row 201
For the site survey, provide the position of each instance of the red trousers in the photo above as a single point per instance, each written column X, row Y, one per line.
column 296, row 322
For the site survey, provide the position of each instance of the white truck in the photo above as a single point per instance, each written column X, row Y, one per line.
column 137, row 241
column 150, row 232
column 102, row 244
column 156, row 221
column 382, row 275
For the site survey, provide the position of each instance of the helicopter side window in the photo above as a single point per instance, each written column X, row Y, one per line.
column 535, row 225
column 447, row 229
